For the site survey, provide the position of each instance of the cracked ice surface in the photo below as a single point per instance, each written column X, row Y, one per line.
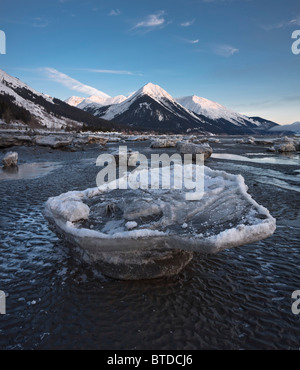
column 97, row 219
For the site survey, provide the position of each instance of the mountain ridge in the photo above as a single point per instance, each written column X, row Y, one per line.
column 203, row 115
column 42, row 109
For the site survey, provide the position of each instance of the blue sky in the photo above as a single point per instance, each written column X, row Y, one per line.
column 235, row 52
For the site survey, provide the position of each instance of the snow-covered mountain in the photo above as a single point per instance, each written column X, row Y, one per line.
column 19, row 102
column 98, row 101
column 219, row 113
column 210, row 109
column 74, row 101
column 294, row 128
column 152, row 108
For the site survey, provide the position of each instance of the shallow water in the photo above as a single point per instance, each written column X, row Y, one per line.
column 28, row 171
column 238, row 299
column 291, row 160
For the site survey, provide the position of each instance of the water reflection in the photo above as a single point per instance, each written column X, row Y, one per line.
column 28, row 171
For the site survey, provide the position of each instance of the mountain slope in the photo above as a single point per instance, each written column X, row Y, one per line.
column 151, row 108
column 264, row 124
column 74, row 101
column 292, row 128
column 210, row 109
column 224, row 116
column 42, row 109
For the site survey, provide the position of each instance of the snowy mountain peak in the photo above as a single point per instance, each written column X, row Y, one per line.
column 96, row 100
column 211, row 109
column 206, row 103
column 74, row 100
column 154, row 91
column 202, row 106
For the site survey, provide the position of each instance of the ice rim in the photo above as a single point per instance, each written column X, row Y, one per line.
column 65, row 210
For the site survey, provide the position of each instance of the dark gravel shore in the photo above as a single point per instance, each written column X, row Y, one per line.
column 238, row 299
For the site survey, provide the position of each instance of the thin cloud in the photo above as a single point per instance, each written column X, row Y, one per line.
column 114, row 12
column 225, row 50
column 284, row 24
column 191, row 41
column 283, row 101
column 109, row 71
column 188, row 23
column 152, row 21
column 71, row 83
column 39, row 23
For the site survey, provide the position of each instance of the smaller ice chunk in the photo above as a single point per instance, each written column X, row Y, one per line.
column 131, row 225
column 69, row 207
column 10, row 159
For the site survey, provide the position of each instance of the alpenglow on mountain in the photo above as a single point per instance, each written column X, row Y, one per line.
column 151, row 108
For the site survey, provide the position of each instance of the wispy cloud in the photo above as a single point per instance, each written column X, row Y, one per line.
column 283, row 24
column 188, row 23
column 39, row 22
column 282, row 101
column 152, row 21
column 225, row 50
column 114, row 12
column 190, row 41
column 71, row 83
column 108, row 71
column 31, row 22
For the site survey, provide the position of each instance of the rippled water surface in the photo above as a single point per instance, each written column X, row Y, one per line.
column 238, row 299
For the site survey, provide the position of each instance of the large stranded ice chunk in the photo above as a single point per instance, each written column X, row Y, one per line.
column 148, row 233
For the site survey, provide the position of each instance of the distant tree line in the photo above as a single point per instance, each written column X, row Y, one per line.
column 10, row 111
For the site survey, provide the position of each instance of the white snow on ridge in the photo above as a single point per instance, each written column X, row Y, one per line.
column 212, row 110
column 74, row 101
column 14, row 82
column 191, row 105
column 156, row 93
column 43, row 117
column 96, row 101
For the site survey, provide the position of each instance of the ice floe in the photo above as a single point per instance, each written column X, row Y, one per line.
column 149, row 233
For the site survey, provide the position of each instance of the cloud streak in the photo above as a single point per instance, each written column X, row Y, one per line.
column 225, row 50
column 71, row 83
column 114, row 12
column 152, row 21
column 107, row 71
column 284, row 24
column 188, row 23
column 191, row 41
